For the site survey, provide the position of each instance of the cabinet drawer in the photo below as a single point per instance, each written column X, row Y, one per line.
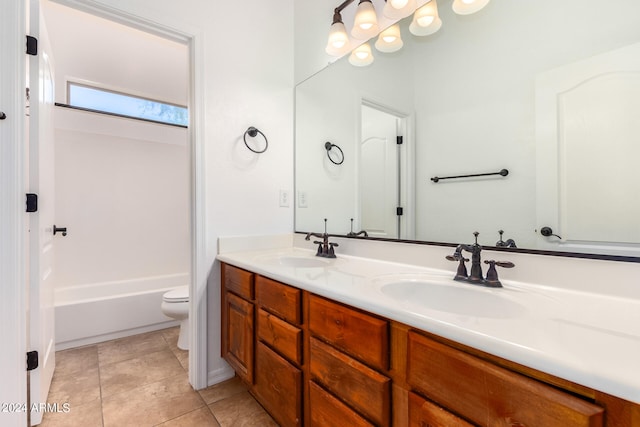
column 239, row 337
column 361, row 335
column 279, row 299
column 285, row 338
column 325, row 410
column 238, row 281
column 361, row 387
column 487, row 394
column 278, row 386
column 424, row 413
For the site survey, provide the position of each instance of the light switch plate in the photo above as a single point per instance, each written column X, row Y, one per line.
column 284, row 198
column 302, row 199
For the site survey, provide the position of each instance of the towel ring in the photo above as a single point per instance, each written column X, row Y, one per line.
column 253, row 132
column 328, row 146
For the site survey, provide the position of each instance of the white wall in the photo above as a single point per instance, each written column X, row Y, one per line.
column 122, row 189
column 244, row 53
column 92, row 49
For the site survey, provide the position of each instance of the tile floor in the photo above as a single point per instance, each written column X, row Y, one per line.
column 142, row 381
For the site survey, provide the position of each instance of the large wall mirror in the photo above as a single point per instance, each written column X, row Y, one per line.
column 548, row 90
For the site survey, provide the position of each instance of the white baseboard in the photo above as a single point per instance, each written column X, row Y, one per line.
column 218, row 375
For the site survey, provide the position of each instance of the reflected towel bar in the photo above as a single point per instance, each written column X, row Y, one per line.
column 503, row 172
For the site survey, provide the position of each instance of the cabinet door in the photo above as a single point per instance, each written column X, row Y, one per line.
column 487, row 394
column 239, row 336
column 364, row 336
column 278, row 386
column 286, row 339
column 280, row 299
column 423, row 413
column 361, row 387
column 328, row 411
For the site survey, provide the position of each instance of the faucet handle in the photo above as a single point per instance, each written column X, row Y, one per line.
column 461, row 273
column 503, row 264
column 492, row 280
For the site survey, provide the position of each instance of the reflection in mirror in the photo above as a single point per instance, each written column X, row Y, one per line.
column 490, row 91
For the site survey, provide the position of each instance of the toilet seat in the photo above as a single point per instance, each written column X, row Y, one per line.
column 180, row 294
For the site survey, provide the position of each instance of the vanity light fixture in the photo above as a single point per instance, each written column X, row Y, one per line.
column 426, row 20
column 365, row 25
column 338, row 43
column 467, row 7
column 398, row 9
column 361, row 56
column 389, row 40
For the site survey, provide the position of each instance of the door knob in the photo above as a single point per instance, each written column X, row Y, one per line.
column 62, row 230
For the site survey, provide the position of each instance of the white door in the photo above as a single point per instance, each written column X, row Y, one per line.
column 41, row 182
column 588, row 175
column 379, row 174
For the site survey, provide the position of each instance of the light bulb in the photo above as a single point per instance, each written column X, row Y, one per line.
column 338, row 42
column 426, row 20
column 390, row 40
column 467, row 7
column 361, row 56
column 399, row 4
column 365, row 25
column 398, row 9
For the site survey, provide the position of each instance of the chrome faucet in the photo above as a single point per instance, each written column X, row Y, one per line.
column 475, row 277
column 325, row 247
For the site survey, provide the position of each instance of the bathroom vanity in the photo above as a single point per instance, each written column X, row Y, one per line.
column 319, row 342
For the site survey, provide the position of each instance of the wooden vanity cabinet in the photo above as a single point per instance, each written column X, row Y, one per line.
column 315, row 362
column 238, row 320
column 279, row 339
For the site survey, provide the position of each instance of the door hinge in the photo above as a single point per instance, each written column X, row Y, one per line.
column 32, row 202
column 399, row 140
column 32, row 360
column 399, row 211
column 32, row 45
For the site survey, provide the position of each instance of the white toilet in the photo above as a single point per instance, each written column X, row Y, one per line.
column 175, row 304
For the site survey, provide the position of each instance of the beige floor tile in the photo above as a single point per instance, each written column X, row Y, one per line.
column 222, row 390
column 171, row 337
column 76, row 360
column 199, row 418
column 127, row 374
column 151, row 404
column 76, row 389
column 87, row 415
column 241, row 410
column 130, row 347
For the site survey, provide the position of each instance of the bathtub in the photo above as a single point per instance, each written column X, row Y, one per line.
column 98, row 312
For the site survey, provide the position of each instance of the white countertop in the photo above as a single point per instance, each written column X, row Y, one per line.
column 589, row 338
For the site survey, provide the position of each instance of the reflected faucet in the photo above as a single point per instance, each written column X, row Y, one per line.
column 509, row 243
column 352, row 234
column 325, row 248
column 475, row 277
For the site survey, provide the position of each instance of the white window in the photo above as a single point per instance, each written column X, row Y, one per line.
column 119, row 104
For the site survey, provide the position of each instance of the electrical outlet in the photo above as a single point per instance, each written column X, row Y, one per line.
column 284, row 198
column 302, row 199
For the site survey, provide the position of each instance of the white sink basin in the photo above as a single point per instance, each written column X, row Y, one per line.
column 445, row 295
column 302, row 260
